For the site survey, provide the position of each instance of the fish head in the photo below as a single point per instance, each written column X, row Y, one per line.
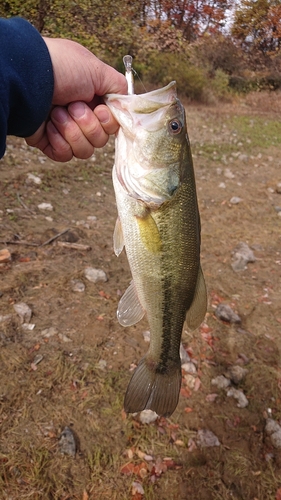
column 152, row 146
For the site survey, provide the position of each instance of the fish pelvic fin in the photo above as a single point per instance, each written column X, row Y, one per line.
column 150, row 389
column 196, row 313
column 130, row 310
column 118, row 240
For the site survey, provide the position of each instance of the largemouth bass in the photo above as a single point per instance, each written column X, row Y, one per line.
column 159, row 225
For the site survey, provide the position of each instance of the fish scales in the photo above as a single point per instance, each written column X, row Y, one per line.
column 159, row 225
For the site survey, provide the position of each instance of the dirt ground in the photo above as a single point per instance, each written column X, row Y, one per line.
column 73, row 367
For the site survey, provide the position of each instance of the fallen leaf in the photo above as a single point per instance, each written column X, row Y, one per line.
column 85, row 495
column 278, row 494
column 127, row 469
column 188, row 409
column 186, row 393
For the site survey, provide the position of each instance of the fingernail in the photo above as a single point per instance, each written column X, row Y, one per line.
column 60, row 115
column 104, row 116
column 77, row 109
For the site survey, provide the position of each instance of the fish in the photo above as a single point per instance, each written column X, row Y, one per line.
column 158, row 223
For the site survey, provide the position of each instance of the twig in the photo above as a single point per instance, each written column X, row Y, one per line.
column 23, row 204
column 54, row 238
column 22, row 242
column 74, row 246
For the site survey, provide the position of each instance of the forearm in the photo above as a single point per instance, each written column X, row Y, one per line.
column 26, row 79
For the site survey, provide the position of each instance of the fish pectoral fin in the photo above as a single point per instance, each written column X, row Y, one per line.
column 118, row 240
column 130, row 310
column 152, row 390
column 196, row 313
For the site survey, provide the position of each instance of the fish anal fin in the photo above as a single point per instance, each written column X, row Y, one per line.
column 196, row 313
column 118, row 240
column 152, row 390
column 129, row 309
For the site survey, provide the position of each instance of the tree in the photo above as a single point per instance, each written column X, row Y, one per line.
column 257, row 25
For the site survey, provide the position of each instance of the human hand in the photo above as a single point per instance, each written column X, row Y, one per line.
column 78, row 122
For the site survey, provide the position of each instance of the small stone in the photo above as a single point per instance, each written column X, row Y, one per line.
column 273, row 429
column 228, row 174
column 239, row 396
column 148, row 416
column 190, row 381
column 189, row 367
column 95, row 275
column 33, row 179
column 184, row 355
column 45, row 206
column 241, row 255
column 49, row 332
column 278, row 188
column 77, row 286
column 28, row 326
column 5, row 256
column 222, row 185
column 146, row 336
column 225, row 313
column 206, row 439
column 235, row 200
column 236, row 373
column 102, row 364
column 91, row 218
column 24, row 312
column 67, row 442
column 64, row 337
column 221, row 382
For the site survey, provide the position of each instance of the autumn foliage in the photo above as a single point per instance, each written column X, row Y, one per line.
column 208, row 46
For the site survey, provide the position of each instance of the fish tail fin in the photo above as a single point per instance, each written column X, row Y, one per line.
column 150, row 389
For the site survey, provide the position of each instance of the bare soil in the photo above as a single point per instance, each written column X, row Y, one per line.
column 87, row 360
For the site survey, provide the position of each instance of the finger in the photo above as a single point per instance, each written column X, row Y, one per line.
column 90, row 124
column 107, row 120
column 57, row 148
column 71, row 131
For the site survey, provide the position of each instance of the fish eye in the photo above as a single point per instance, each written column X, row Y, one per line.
column 175, row 126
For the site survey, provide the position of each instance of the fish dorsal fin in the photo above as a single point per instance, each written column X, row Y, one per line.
column 196, row 313
column 129, row 309
column 118, row 240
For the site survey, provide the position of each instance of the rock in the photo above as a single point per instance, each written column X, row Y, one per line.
column 239, row 396
column 5, row 317
column 206, row 439
column 146, row 336
column 77, row 286
column 184, row 355
column 235, row 200
column 49, row 332
column 236, row 373
column 67, row 442
column 45, row 206
column 278, row 188
column 221, row 382
column 189, row 381
column 148, row 416
column 228, row 174
column 64, row 337
column 189, row 367
column 241, row 255
column 33, row 179
column 95, row 275
column 273, row 429
column 28, row 326
column 225, row 313
column 5, row 256
column 24, row 312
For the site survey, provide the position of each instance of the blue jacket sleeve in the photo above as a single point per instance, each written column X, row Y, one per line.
column 26, row 79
